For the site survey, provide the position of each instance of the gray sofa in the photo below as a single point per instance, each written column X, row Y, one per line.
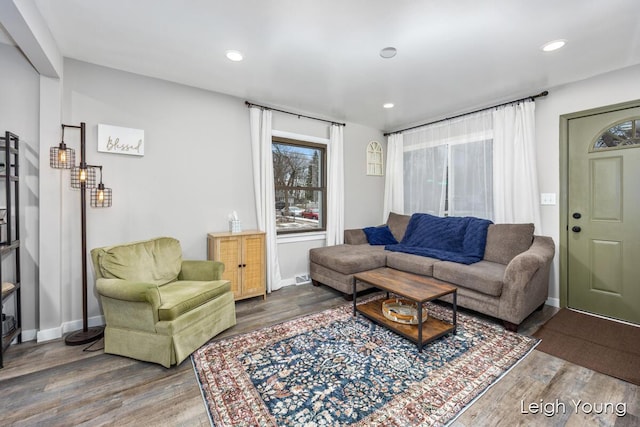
column 509, row 283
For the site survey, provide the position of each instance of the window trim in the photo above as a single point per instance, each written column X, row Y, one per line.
column 310, row 142
column 301, row 236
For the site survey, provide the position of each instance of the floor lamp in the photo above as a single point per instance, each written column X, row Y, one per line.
column 83, row 177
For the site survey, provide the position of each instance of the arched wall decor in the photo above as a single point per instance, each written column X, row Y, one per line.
column 375, row 164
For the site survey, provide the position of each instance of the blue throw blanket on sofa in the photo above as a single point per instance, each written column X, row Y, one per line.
column 457, row 239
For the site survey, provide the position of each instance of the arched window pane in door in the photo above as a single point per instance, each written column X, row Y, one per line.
column 621, row 135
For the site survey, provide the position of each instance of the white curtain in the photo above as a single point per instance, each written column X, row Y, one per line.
column 447, row 167
column 515, row 184
column 260, row 122
column 394, row 177
column 335, row 187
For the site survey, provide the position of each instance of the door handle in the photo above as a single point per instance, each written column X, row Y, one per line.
column 577, row 215
column 576, row 229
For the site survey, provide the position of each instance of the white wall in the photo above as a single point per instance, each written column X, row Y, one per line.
column 19, row 103
column 195, row 171
column 607, row 89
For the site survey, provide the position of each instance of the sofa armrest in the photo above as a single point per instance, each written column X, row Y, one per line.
column 526, row 281
column 201, row 270
column 522, row 268
column 127, row 290
column 355, row 236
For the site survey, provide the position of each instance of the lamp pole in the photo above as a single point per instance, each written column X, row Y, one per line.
column 86, row 335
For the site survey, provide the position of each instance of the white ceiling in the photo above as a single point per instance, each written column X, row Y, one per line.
column 322, row 57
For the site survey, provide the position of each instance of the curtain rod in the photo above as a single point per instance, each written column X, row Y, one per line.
column 532, row 97
column 250, row 104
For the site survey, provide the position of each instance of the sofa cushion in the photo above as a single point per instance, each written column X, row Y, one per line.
column 415, row 264
column 484, row 276
column 355, row 236
column 156, row 261
column 506, row 241
column 398, row 224
column 380, row 235
column 349, row 259
column 185, row 295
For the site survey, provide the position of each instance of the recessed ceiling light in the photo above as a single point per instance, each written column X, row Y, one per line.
column 553, row 45
column 234, row 55
column 388, row 52
column 388, row 105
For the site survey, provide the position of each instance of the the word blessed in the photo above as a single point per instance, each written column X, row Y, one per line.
column 116, row 145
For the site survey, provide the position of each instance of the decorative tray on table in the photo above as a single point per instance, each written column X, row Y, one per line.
column 402, row 311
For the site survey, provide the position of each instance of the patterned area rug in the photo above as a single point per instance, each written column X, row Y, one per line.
column 330, row 369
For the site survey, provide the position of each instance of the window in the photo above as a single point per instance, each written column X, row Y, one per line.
column 623, row 134
column 448, row 168
column 299, row 176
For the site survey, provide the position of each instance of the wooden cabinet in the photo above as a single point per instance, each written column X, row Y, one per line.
column 243, row 255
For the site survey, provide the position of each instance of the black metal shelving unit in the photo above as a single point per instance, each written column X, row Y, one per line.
column 10, row 237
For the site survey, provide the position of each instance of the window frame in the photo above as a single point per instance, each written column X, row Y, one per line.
column 322, row 189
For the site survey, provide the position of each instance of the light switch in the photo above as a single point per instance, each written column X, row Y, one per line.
column 547, row 198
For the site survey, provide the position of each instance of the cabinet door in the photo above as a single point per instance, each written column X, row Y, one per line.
column 228, row 251
column 253, row 262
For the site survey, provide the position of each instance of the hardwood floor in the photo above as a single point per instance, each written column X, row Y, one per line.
column 53, row 384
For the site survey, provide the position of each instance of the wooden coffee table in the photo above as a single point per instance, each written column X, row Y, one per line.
column 418, row 289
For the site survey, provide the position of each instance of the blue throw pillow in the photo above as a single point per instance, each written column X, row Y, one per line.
column 380, row 235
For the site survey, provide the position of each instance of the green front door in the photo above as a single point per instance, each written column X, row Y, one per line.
column 604, row 214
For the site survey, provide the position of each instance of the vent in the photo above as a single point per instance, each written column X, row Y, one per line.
column 303, row 279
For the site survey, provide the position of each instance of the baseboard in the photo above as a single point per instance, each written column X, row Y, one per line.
column 74, row 325
column 49, row 334
column 553, row 302
column 29, row 335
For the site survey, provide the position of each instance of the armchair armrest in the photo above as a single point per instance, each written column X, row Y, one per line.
column 201, row 270
column 355, row 236
column 127, row 290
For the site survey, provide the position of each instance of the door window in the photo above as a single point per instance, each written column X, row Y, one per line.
column 621, row 135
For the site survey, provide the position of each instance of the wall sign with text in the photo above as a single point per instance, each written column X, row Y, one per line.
column 120, row 140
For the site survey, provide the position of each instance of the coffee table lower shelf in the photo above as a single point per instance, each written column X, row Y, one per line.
column 432, row 328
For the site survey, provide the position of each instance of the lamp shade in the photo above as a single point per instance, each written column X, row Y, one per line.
column 101, row 197
column 77, row 177
column 61, row 157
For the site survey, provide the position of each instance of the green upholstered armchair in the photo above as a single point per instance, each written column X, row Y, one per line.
column 157, row 307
